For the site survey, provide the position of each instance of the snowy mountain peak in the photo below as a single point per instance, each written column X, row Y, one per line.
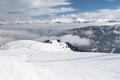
column 78, row 20
column 68, row 19
column 53, row 45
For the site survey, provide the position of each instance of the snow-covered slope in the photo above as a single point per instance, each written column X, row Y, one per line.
column 24, row 60
column 54, row 45
column 80, row 66
column 37, row 65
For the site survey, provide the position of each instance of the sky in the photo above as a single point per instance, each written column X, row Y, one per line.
column 47, row 9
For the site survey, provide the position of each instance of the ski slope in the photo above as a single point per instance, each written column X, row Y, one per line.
column 31, row 64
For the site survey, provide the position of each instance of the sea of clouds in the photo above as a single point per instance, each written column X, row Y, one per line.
column 40, row 32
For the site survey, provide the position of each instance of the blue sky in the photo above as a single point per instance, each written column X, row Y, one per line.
column 93, row 5
column 82, row 6
column 46, row 9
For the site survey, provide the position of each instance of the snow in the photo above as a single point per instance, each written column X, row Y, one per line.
column 61, row 20
column 34, row 45
column 74, row 19
column 13, row 68
column 20, row 63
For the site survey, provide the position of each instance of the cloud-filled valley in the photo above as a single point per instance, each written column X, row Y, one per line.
column 10, row 33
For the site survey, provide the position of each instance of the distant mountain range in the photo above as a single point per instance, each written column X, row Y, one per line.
column 76, row 19
column 103, row 38
column 71, row 19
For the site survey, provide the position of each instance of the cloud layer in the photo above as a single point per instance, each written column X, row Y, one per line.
column 27, row 8
column 101, row 14
column 111, row 14
column 73, row 39
column 12, row 35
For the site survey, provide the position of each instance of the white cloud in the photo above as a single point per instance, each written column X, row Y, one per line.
column 17, row 34
column 76, row 40
column 88, row 33
column 99, row 15
column 31, row 7
column 73, row 39
column 111, row 14
column 6, row 39
column 11, row 35
column 48, row 11
column 44, row 38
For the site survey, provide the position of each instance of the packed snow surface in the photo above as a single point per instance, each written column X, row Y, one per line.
column 18, row 63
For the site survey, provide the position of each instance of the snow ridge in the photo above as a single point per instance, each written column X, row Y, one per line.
column 54, row 46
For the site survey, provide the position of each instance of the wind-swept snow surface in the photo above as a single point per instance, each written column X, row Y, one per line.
column 30, row 64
